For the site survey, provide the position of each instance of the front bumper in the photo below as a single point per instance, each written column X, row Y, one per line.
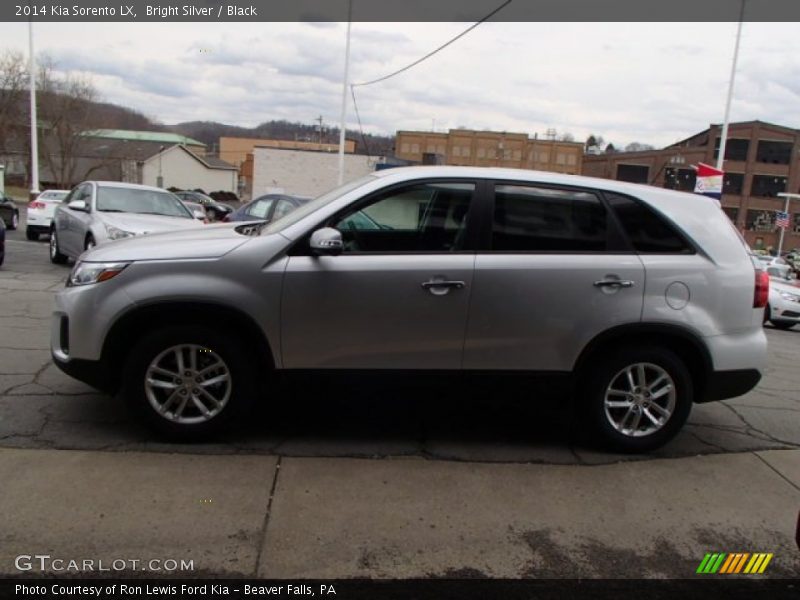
column 91, row 372
column 784, row 310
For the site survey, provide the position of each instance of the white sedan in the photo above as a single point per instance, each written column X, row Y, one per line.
column 783, row 309
column 40, row 212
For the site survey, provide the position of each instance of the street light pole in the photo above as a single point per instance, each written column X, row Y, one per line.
column 34, row 191
column 344, row 93
column 788, row 196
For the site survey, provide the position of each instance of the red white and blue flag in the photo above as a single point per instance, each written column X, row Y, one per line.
column 709, row 181
column 782, row 219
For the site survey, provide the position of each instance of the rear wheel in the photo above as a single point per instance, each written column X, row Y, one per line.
column 637, row 398
column 189, row 382
column 31, row 234
column 14, row 221
column 55, row 254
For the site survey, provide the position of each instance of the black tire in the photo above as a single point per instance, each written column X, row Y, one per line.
column 55, row 253
column 89, row 242
column 14, row 221
column 767, row 314
column 605, row 371
column 31, row 234
column 241, row 368
column 783, row 324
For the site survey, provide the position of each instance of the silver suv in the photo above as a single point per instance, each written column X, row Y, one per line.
column 643, row 300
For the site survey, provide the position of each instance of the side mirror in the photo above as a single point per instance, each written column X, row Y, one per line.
column 326, row 241
column 78, row 205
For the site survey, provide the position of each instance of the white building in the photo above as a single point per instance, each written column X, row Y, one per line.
column 303, row 172
column 179, row 167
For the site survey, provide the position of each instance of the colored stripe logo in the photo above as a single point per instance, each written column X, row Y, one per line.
column 734, row 563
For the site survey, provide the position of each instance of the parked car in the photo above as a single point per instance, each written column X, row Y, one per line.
column 267, row 208
column 96, row 212
column 783, row 308
column 2, row 242
column 40, row 212
column 215, row 211
column 9, row 212
column 774, row 262
column 197, row 211
column 643, row 300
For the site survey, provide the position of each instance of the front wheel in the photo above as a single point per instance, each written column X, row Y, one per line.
column 55, row 253
column 189, row 382
column 14, row 221
column 637, row 398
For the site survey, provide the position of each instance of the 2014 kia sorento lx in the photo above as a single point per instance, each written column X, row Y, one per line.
column 644, row 299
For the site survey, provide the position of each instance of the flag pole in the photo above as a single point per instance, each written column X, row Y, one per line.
column 34, row 191
column 788, row 197
column 724, row 135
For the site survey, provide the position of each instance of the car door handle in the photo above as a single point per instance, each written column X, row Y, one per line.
column 602, row 283
column 433, row 283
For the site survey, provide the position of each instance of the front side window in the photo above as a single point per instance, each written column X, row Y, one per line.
column 260, row 208
column 538, row 219
column 428, row 217
column 647, row 231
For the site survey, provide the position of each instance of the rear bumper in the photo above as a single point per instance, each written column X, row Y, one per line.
column 729, row 384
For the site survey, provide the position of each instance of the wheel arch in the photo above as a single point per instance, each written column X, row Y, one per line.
column 687, row 345
column 126, row 330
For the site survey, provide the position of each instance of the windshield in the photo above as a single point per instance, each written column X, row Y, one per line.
column 306, row 209
column 52, row 195
column 140, row 201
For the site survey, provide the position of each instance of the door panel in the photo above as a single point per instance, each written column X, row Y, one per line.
column 372, row 312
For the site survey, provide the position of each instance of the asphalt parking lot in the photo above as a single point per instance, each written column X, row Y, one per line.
column 404, row 483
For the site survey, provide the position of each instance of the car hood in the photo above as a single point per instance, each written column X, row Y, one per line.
column 781, row 285
column 141, row 224
column 205, row 241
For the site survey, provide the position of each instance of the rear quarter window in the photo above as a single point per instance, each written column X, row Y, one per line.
column 647, row 231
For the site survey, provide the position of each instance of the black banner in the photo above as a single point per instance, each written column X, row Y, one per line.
column 399, row 10
column 417, row 589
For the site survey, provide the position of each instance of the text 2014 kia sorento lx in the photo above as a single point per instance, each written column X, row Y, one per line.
column 646, row 299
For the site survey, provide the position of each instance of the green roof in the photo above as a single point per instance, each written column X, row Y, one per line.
column 163, row 137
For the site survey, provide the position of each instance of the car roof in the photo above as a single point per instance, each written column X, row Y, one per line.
column 133, row 186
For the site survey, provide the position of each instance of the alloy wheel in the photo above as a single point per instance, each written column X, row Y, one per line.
column 188, row 384
column 640, row 399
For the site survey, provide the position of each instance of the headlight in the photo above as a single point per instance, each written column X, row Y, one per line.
column 117, row 234
column 85, row 273
column 790, row 297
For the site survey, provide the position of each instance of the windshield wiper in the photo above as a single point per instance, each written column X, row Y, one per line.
column 110, row 210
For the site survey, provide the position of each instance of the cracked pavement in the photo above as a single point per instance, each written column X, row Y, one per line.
column 405, row 482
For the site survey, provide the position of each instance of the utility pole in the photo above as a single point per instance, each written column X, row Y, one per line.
column 342, row 124
column 34, row 191
column 788, row 196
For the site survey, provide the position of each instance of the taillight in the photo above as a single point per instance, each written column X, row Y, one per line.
column 37, row 205
column 761, row 294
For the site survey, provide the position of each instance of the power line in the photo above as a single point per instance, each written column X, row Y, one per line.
column 440, row 48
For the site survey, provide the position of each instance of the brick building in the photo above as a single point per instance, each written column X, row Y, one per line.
column 761, row 160
column 489, row 149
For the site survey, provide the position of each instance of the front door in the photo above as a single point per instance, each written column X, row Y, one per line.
column 398, row 295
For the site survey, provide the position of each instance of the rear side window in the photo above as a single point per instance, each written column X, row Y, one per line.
column 538, row 219
column 647, row 231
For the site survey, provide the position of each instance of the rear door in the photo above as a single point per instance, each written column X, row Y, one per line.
column 553, row 273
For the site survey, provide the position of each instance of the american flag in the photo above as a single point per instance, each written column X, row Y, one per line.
column 782, row 219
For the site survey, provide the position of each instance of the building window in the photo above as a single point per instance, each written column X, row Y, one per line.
column 735, row 149
column 507, row 154
column 465, row 151
column 414, row 148
column 796, row 224
column 633, row 173
column 732, row 212
column 456, row 150
column 778, row 153
column 517, row 155
column 733, row 183
column 680, row 179
column 572, row 160
column 561, row 158
column 481, row 152
column 404, row 148
column 767, row 185
column 760, row 220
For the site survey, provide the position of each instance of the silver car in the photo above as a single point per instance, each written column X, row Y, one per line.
column 99, row 211
column 642, row 300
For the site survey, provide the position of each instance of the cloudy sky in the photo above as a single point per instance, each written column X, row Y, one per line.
column 653, row 83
